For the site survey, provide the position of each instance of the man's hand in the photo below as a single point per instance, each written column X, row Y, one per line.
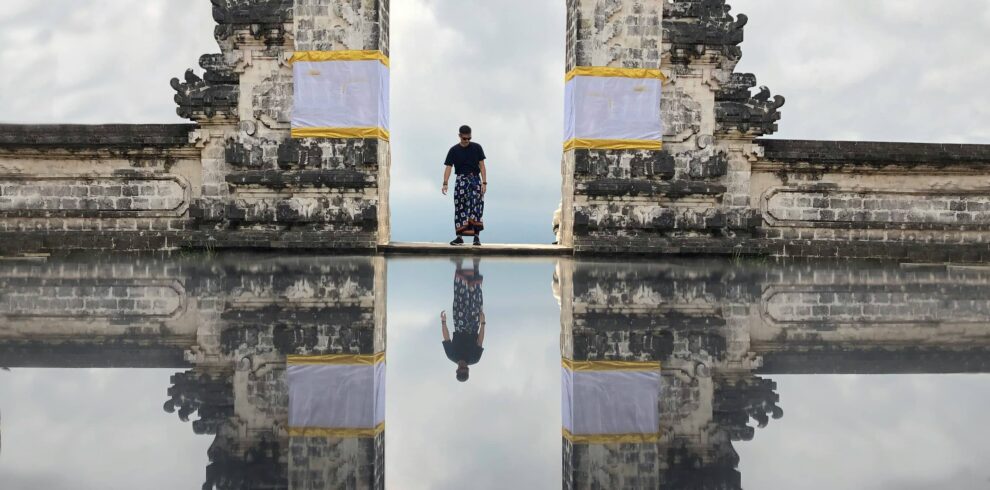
column 447, row 169
column 484, row 189
column 443, row 326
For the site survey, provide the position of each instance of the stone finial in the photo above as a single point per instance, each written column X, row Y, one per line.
column 214, row 95
column 753, row 115
column 263, row 19
column 693, row 27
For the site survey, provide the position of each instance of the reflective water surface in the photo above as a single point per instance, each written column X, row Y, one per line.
column 304, row 372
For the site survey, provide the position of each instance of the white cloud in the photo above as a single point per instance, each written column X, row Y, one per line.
column 887, row 70
column 93, row 61
column 95, row 429
column 872, row 432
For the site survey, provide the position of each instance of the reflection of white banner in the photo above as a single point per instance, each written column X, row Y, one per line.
column 610, row 401
column 340, row 94
column 336, row 396
column 613, row 108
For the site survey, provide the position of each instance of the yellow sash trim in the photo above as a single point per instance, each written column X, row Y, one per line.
column 608, row 71
column 366, row 133
column 337, row 359
column 612, row 144
column 341, row 433
column 343, row 55
column 610, row 365
column 610, row 438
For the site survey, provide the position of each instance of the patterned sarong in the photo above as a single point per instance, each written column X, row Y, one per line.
column 468, row 300
column 469, row 205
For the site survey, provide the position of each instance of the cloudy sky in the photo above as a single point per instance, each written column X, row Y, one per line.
column 95, row 429
column 898, row 70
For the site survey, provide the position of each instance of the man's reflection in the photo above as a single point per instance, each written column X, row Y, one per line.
column 466, row 346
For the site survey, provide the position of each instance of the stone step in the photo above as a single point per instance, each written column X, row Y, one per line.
column 430, row 248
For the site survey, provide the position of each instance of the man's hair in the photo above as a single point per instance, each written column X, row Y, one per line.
column 465, row 129
column 462, row 376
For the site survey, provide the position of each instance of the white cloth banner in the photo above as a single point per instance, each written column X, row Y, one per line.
column 610, row 402
column 340, row 94
column 611, row 108
column 336, row 396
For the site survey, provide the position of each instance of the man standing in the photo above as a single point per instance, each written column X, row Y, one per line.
column 467, row 160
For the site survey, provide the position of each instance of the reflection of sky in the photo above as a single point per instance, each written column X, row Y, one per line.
column 501, row 428
column 873, row 432
column 99, row 429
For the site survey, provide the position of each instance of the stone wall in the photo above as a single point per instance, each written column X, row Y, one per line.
column 857, row 199
column 693, row 195
column 265, row 189
column 72, row 312
column 116, row 186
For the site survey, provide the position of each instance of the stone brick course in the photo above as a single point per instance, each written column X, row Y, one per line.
column 880, row 209
column 53, row 197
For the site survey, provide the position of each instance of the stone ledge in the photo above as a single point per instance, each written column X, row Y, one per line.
column 247, row 12
column 654, row 319
column 608, row 245
column 877, row 361
column 350, row 179
column 94, row 353
column 100, row 136
column 629, row 187
column 870, row 152
column 135, row 241
column 422, row 248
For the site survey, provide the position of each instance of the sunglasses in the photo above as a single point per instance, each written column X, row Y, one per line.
column 465, row 138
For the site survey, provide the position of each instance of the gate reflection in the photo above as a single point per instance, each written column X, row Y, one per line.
column 664, row 365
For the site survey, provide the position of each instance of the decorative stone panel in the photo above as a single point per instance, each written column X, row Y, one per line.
column 80, row 298
column 921, row 202
column 925, row 304
column 922, row 209
column 92, row 197
column 348, row 211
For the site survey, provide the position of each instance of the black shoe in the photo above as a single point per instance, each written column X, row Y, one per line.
column 477, row 241
column 457, row 241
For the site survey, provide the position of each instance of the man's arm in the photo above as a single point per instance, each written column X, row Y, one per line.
column 484, row 177
column 443, row 326
column 446, row 177
column 481, row 331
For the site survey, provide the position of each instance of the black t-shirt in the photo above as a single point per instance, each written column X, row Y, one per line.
column 465, row 159
column 463, row 347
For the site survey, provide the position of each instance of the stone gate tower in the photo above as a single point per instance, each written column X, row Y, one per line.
column 262, row 181
column 687, row 189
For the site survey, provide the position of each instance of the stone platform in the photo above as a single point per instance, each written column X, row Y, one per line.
column 503, row 249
